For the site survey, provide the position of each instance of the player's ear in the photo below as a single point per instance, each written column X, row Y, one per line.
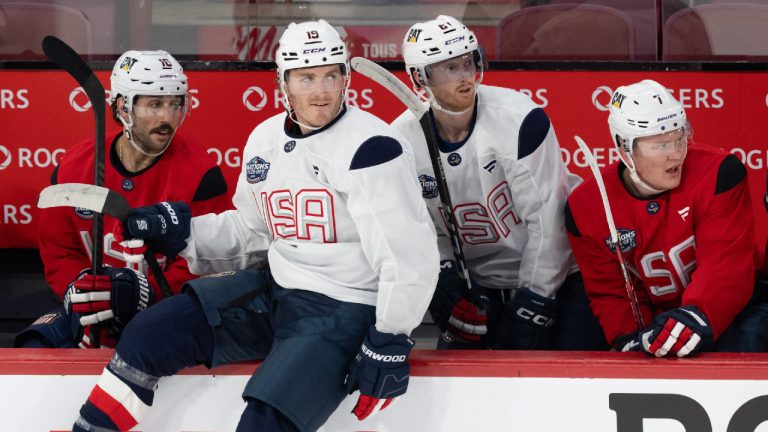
column 122, row 110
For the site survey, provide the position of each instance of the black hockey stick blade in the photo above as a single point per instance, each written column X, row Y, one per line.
column 102, row 201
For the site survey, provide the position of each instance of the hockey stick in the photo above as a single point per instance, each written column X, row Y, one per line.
column 67, row 59
column 104, row 202
column 414, row 104
column 614, row 234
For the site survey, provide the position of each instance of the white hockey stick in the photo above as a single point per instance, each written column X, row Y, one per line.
column 102, row 201
column 614, row 234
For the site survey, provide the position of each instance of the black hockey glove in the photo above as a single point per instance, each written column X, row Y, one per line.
column 165, row 226
column 380, row 370
column 525, row 322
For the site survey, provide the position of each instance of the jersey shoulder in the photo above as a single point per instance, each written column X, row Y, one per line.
column 712, row 168
column 76, row 166
column 373, row 141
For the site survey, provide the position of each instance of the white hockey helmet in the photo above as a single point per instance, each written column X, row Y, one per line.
column 147, row 73
column 644, row 109
column 308, row 44
column 436, row 40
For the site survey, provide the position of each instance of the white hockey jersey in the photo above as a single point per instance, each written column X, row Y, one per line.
column 339, row 212
column 508, row 185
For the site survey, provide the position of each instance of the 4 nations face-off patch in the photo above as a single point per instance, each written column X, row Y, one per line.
column 256, row 170
column 627, row 240
column 428, row 186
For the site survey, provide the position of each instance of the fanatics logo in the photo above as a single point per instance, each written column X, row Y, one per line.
column 490, row 166
column 627, row 240
column 256, row 170
column 454, row 159
column 683, row 212
column 428, row 186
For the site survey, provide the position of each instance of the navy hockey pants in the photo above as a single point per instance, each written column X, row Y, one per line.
column 232, row 318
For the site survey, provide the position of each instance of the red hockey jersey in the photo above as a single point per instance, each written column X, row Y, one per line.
column 183, row 173
column 692, row 245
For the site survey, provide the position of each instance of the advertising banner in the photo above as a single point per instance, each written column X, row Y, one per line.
column 42, row 113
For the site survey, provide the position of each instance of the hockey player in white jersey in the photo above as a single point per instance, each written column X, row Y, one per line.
column 328, row 192
column 508, row 187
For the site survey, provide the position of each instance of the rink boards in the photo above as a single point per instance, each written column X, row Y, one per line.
column 41, row 390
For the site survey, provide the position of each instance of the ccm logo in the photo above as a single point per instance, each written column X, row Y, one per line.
column 539, row 320
column 313, row 50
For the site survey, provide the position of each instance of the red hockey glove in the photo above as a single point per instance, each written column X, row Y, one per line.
column 119, row 293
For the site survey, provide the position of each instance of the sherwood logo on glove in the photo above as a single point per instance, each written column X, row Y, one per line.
column 381, row 357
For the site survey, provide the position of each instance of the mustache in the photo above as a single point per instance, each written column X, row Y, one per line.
column 165, row 128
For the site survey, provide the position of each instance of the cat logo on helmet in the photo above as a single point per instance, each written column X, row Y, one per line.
column 618, row 99
column 127, row 64
column 413, row 35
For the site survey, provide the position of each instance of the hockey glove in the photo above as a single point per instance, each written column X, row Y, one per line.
column 680, row 331
column 525, row 322
column 165, row 226
column 627, row 343
column 380, row 371
column 458, row 317
column 119, row 293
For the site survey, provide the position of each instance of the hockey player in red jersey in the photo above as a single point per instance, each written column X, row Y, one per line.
column 685, row 226
column 146, row 163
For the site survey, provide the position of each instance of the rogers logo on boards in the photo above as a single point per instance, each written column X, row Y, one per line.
column 17, row 215
column 229, row 157
column 689, row 97
column 10, row 99
column 539, row 97
column 597, row 97
column 361, row 99
column 260, row 99
column 30, row 158
column 5, row 158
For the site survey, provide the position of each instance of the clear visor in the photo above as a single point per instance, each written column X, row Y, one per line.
column 467, row 67
column 170, row 107
column 665, row 144
column 315, row 80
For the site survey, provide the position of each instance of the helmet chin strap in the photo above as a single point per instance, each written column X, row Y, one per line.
column 638, row 181
column 129, row 134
